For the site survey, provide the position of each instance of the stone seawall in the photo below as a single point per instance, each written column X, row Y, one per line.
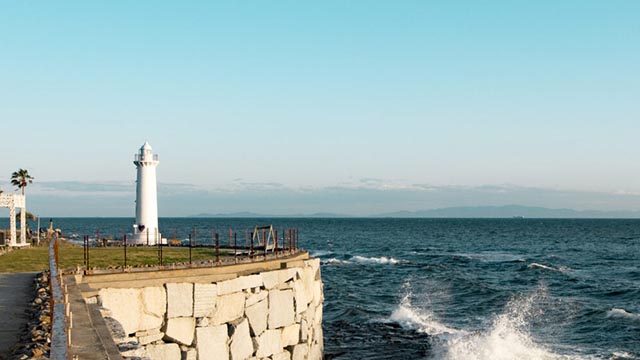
column 273, row 314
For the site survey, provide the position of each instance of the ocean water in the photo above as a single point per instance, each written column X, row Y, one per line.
column 461, row 288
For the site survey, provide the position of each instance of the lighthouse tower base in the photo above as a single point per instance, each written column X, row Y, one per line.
column 146, row 237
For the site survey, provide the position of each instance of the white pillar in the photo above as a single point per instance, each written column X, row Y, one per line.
column 146, row 226
column 12, row 225
column 23, row 226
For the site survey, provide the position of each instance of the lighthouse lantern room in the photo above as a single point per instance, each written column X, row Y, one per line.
column 145, row 230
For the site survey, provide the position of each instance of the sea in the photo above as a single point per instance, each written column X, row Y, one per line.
column 485, row 289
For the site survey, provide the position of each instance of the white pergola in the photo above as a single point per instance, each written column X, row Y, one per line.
column 13, row 201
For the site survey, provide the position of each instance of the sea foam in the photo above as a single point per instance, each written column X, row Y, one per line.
column 506, row 338
column 622, row 313
column 375, row 260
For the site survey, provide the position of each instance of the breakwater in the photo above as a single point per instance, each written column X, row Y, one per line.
column 269, row 309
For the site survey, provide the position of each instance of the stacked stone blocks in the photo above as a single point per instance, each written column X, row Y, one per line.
column 270, row 315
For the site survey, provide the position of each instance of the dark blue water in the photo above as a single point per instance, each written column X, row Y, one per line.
column 462, row 288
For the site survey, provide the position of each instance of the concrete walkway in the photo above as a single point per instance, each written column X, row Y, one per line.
column 16, row 293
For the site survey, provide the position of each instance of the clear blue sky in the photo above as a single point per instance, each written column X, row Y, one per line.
column 244, row 98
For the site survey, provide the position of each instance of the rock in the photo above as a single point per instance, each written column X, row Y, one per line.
column 268, row 343
column 257, row 316
column 286, row 275
column 204, row 299
column 299, row 352
column 241, row 345
column 228, row 308
column 179, row 300
column 285, row 355
column 256, row 298
column 290, row 335
column 300, row 297
column 181, row 330
column 304, row 330
column 308, row 279
column 212, row 343
column 270, row 279
column 239, row 284
column 317, row 292
column 190, row 354
column 164, row 352
column 317, row 318
column 154, row 306
column 125, row 307
column 281, row 311
column 148, row 339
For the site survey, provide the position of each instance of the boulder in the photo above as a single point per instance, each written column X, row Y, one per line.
column 257, row 316
column 285, row 355
column 270, row 279
column 317, row 292
column 164, row 352
column 241, row 344
column 212, row 343
column 300, row 352
column 300, row 297
column 189, row 354
column 154, row 307
column 124, row 305
column 228, row 308
column 179, row 300
column 239, row 284
column 181, row 330
column 281, row 311
column 290, row 335
column 256, row 298
column 204, row 299
column 149, row 338
column 308, row 280
column 268, row 343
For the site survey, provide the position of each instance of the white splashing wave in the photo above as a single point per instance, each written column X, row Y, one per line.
column 622, row 313
column 319, row 253
column 507, row 338
column 334, row 261
column 375, row 260
column 412, row 318
column 545, row 267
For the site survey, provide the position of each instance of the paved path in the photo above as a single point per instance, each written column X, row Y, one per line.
column 16, row 292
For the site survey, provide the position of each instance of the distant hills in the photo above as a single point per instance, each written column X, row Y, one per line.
column 507, row 211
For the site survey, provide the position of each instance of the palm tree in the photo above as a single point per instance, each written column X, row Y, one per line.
column 21, row 179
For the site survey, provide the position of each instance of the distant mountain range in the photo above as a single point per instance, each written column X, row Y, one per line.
column 507, row 211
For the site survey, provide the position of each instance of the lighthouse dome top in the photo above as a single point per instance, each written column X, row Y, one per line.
column 146, row 146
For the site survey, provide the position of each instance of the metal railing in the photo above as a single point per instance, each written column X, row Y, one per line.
column 201, row 248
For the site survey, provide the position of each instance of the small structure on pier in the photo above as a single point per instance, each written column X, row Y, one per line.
column 13, row 201
column 145, row 230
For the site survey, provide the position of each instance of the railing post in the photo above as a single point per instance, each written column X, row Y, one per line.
column 264, row 241
column 251, row 247
column 124, row 241
column 235, row 246
column 190, row 249
column 217, row 249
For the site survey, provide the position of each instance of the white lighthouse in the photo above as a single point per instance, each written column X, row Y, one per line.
column 145, row 230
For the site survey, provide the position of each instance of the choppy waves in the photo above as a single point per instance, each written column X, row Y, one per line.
column 546, row 267
column 507, row 336
column 357, row 259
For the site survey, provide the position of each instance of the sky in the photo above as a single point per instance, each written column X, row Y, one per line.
column 353, row 107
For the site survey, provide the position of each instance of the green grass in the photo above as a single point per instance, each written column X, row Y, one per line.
column 37, row 258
